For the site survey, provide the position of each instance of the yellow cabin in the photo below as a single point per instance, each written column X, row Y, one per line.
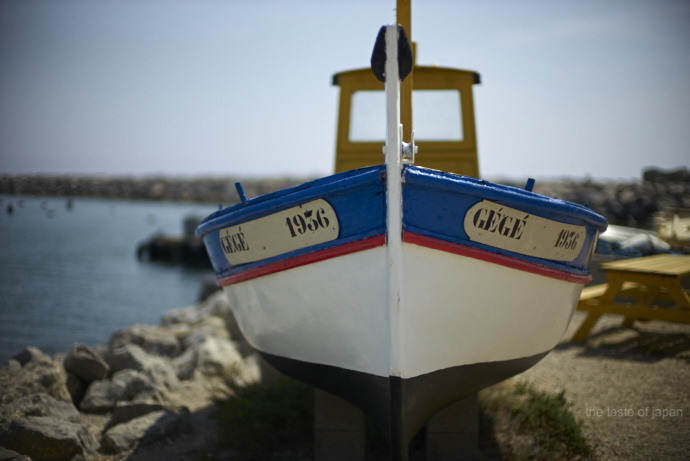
column 442, row 119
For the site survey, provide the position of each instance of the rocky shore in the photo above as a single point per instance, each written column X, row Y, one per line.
column 148, row 386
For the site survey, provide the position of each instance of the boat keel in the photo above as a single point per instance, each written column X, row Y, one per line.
column 400, row 407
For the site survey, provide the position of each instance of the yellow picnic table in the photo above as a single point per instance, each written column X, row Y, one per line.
column 647, row 288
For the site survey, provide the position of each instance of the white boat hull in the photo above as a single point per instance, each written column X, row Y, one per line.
column 455, row 310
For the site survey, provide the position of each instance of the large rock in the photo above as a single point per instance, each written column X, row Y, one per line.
column 152, row 339
column 127, row 411
column 193, row 335
column 85, row 363
column 159, row 370
column 217, row 356
column 36, row 405
column 185, row 364
column 44, row 428
column 128, row 357
column 101, row 396
column 32, row 372
column 76, row 388
column 208, row 356
column 124, row 386
column 10, row 367
column 48, row 438
column 144, row 430
column 31, row 354
column 9, row 455
column 216, row 305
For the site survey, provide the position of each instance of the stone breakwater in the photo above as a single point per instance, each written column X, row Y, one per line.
column 627, row 203
column 147, row 386
column 631, row 204
column 213, row 190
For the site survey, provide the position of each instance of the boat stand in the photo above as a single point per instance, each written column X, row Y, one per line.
column 452, row 434
column 339, row 429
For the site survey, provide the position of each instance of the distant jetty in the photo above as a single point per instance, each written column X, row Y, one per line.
column 214, row 190
column 628, row 203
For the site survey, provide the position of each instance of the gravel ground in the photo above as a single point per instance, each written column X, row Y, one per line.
column 629, row 386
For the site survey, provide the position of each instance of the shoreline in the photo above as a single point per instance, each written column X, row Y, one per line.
column 149, row 385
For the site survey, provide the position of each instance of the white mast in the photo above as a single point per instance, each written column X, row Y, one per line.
column 394, row 196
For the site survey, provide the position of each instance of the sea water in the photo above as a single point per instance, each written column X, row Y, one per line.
column 69, row 272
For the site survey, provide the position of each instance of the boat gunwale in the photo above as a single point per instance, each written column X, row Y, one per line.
column 265, row 204
column 567, row 212
column 564, row 211
column 413, row 178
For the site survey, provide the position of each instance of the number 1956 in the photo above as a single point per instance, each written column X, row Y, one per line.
column 308, row 220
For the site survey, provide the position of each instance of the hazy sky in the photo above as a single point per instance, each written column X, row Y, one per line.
column 569, row 88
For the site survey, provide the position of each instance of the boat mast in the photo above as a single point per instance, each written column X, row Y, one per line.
column 393, row 194
column 392, row 62
column 403, row 12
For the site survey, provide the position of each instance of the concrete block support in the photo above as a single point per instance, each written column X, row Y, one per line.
column 338, row 429
column 452, row 434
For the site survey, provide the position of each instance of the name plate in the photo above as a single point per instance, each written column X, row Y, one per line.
column 298, row 227
column 514, row 230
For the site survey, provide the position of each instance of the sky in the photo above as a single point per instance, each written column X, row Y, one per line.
column 593, row 88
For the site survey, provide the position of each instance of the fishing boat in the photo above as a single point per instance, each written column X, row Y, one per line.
column 399, row 287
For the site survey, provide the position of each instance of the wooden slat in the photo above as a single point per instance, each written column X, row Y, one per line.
column 638, row 311
column 593, row 291
column 673, row 265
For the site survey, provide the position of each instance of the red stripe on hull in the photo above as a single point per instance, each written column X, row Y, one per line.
column 303, row 260
column 494, row 258
column 408, row 237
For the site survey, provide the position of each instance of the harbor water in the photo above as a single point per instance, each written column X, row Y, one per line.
column 69, row 272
